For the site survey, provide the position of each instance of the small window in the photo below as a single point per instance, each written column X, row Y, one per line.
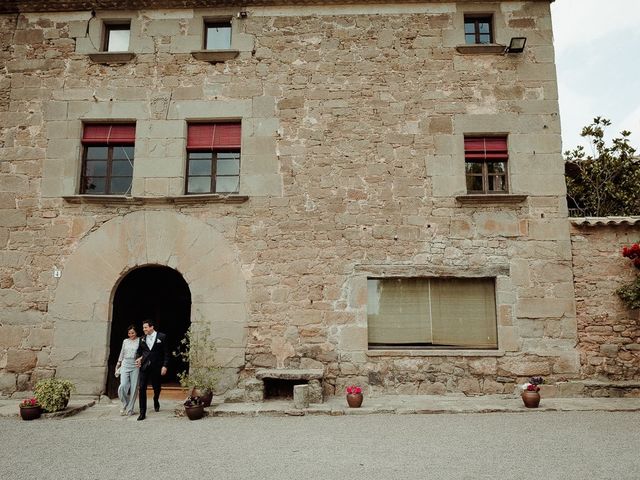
column 116, row 37
column 107, row 159
column 432, row 312
column 478, row 29
column 486, row 164
column 213, row 158
column 217, row 36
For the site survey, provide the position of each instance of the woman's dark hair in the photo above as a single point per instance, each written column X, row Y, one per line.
column 132, row 327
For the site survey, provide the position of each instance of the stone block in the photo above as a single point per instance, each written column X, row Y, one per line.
column 11, row 336
column 315, row 391
column 353, row 338
column 497, row 224
column 301, row 396
column 13, row 218
column 7, row 383
column 483, row 366
column 40, row 337
column 523, row 367
column 545, row 307
column 20, row 361
column 254, row 390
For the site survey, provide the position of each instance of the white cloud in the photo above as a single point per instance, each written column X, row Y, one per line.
column 597, row 73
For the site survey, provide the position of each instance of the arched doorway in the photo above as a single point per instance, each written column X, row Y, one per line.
column 158, row 293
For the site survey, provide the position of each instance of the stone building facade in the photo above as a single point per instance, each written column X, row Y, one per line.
column 355, row 122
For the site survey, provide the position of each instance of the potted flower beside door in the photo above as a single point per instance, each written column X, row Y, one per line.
column 531, row 392
column 30, row 409
column 354, row 396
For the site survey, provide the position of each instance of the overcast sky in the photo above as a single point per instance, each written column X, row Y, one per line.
column 598, row 61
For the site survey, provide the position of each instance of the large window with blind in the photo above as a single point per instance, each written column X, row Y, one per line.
column 404, row 313
column 107, row 159
column 213, row 158
column 486, row 164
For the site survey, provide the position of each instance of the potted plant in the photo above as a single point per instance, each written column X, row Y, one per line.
column 30, row 409
column 194, row 408
column 53, row 393
column 198, row 351
column 531, row 392
column 354, row 396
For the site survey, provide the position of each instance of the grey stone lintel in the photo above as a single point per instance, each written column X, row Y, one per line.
column 482, row 199
column 112, row 57
column 215, row 56
column 290, row 374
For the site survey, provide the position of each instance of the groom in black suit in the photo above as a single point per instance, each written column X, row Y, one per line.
column 152, row 358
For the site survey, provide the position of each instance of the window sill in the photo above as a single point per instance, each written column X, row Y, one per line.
column 484, row 49
column 127, row 200
column 112, row 57
column 488, row 199
column 215, row 56
column 435, row 353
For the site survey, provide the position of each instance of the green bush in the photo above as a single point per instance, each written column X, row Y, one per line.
column 53, row 393
column 198, row 351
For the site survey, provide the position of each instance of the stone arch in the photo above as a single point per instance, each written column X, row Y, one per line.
column 81, row 308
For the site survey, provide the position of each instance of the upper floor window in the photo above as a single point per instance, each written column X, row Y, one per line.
column 486, row 164
column 107, row 159
column 116, row 36
column 213, row 158
column 217, row 35
column 478, row 29
column 431, row 312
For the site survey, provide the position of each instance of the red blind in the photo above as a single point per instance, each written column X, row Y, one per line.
column 116, row 133
column 213, row 135
column 485, row 148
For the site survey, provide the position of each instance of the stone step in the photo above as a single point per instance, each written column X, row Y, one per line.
column 594, row 388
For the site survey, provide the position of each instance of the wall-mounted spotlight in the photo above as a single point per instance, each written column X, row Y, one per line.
column 243, row 14
column 516, row 45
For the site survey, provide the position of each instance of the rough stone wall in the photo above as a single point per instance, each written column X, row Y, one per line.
column 371, row 113
column 608, row 332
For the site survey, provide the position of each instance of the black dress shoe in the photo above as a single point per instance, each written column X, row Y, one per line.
column 141, row 416
column 156, row 406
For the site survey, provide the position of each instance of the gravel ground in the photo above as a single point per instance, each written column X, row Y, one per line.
column 563, row 445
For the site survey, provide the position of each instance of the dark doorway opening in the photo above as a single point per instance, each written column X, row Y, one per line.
column 280, row 389
column 154, row 292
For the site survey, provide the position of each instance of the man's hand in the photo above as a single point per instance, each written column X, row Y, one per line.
column 163, row 371
column 139, row 362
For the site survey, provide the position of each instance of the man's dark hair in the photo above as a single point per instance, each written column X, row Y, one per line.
column 149, row 322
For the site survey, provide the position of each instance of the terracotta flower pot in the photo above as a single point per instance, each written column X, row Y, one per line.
column 531, row 398
column 30, row 413
column 354, row 399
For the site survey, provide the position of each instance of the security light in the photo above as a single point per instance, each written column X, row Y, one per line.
column 516, row 45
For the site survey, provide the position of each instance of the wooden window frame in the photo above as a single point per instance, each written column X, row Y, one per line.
column 433, row 300
column 485, row 174
column 214, row 171
column 476, row 19
column 114, row 26
column 109, row 174
column 212, row 23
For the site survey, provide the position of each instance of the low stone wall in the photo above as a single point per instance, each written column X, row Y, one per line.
column 608, row 332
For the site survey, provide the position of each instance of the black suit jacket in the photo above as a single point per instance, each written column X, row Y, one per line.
column 158, row 356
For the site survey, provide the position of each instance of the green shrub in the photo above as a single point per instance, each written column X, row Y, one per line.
column 53, row 393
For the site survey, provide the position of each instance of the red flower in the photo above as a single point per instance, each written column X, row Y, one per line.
column 353, row 390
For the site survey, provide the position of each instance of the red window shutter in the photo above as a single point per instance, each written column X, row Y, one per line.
column 110, row 134
column 486, row 148
column 211, row 136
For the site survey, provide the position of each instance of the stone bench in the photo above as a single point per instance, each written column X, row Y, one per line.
column 310, row 377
